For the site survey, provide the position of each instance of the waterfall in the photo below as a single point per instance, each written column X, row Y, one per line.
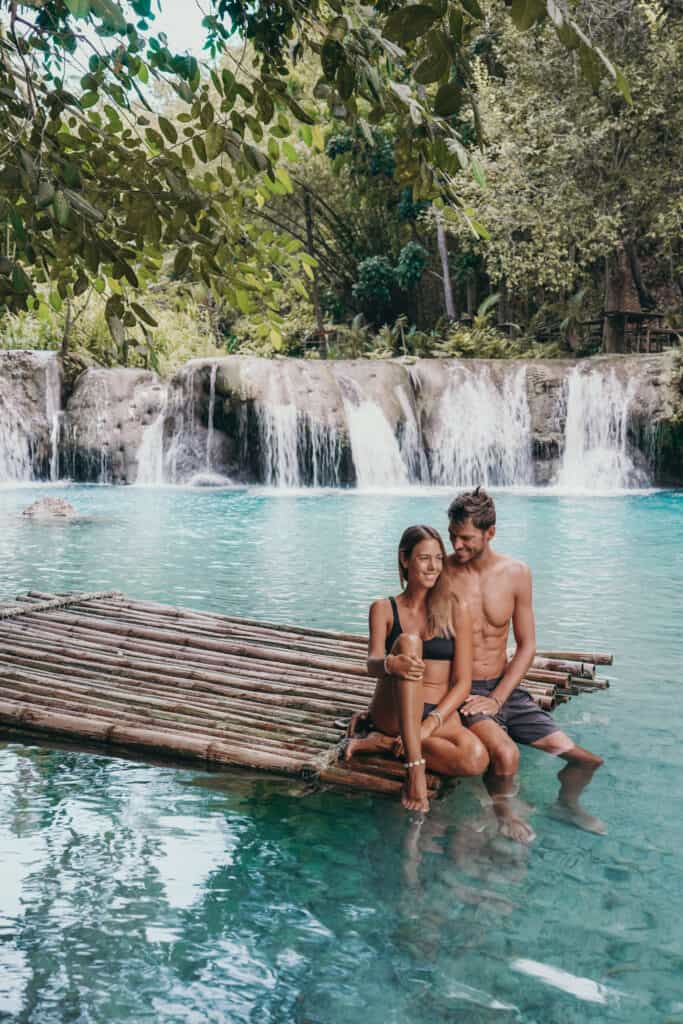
column 410, row 443
column 15, row 451
column 297, row 449
column 597, row 454
column 151, row 450
column 482, row 433
column 53, row 412
column 375, row 450
column 212, row 407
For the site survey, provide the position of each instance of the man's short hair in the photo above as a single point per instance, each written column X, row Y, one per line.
column 476, row 505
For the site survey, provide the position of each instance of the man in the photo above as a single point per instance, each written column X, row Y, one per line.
column 497, row 590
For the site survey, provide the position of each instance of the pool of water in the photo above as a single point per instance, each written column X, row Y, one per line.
column 147, row 893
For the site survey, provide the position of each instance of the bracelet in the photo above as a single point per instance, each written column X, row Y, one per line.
column 414, row 764
column 493, row 697
column 386, row 666
column 437, row 715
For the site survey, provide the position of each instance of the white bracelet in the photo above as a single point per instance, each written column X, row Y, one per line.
column 386, row 666
column 437, row 715
column 414, row 764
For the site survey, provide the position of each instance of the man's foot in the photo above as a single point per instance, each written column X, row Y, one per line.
column 510, row 825
column 575, row 815
column 414, row 794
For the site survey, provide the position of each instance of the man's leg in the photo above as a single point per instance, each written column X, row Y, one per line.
column 500, row 777
column 574, row 777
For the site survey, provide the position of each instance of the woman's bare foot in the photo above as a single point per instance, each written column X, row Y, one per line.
column 414, row 795
column 373, row 743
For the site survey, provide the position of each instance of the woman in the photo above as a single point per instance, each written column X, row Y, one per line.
column 422, row 679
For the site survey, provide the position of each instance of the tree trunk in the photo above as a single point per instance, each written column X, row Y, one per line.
column 621, row 298
column 315, row 291
column 646, row 299
column 445, row 270
column 64, row 351
column 471, row 293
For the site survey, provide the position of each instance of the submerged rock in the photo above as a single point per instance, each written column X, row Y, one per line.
column 50, row 508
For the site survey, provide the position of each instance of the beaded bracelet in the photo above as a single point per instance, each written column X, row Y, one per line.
column 437, row 715
column 414, row 764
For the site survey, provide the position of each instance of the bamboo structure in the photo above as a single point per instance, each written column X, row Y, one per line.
column 213, row 688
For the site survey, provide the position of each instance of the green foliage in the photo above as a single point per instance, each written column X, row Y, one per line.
column 376, row 279
column 412, row 261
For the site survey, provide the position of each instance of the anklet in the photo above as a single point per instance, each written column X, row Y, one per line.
column 414, row 764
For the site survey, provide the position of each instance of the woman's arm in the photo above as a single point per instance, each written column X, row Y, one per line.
column 402, row 665
column 461, row 667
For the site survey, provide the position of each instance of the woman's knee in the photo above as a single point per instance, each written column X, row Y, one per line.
column 408, row 643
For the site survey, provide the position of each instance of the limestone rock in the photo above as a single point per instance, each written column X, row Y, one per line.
column 50, row 508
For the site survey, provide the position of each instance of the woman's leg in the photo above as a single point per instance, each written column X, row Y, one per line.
column 453, row 750
column 409, row 706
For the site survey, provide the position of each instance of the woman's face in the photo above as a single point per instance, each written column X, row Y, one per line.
column 424, row 563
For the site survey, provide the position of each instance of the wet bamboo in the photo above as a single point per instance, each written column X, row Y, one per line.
column 98, row 639
column 573, row 668
column 173, row 612
column 183, row 641
column 103, row 730
column 263, row 637
column 299, row 710
column 34, row 681
column 338, row 775
column 544, row 676
column 592, row 659
column 173, row 724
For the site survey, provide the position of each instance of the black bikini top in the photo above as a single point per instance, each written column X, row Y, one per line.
column 439, row 648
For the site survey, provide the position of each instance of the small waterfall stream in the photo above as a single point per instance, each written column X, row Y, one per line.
column 53, row 412
column 483, row 430
column 597, row 454
column 151, row 450
column 212, row 409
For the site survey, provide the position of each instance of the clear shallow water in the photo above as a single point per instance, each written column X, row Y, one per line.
column 147, row 893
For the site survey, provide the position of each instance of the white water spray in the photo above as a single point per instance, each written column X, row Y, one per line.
column 374, row 448
column 212, row 408
column 151, row 450
column 597, row 455
column 53, row 402
column 483, row 431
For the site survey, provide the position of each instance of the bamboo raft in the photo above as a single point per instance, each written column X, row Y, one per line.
column 153, row 678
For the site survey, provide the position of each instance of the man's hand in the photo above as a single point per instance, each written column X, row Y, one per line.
column 405, row 666
column 478, row 705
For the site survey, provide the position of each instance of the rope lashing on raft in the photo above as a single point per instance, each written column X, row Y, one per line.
column 56, row 602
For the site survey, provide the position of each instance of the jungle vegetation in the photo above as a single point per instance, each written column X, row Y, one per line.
column 459, row 177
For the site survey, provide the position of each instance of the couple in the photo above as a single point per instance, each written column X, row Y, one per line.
column 447, row 697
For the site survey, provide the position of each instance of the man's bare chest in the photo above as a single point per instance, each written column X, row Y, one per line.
column 490, row 601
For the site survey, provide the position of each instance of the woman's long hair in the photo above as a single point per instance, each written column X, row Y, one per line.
column 438, row 611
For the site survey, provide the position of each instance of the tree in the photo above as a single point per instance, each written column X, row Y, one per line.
column 97, row 188
column 575, row 174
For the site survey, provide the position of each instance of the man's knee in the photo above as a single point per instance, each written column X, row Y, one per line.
column 476, row 758
column 504, row 758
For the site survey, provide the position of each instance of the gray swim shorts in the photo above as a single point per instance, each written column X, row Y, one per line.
column 520, row 716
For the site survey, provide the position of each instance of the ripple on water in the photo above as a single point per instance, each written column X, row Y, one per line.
column 138, row 893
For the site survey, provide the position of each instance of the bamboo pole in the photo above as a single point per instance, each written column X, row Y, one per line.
column 593, row 659
column 200, row 748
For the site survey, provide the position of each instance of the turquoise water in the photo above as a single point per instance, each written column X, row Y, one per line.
column 146, row 893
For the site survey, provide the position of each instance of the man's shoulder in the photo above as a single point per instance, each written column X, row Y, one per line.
column 513, row 569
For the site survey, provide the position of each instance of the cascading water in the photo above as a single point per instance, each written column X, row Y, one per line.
column 410, row 443
column 375, row 450
column 597, row 455
column 53, row 411
column 483, row 431
column 296, row 448
column 151, row 450
column 15, row 452
column 212, row 409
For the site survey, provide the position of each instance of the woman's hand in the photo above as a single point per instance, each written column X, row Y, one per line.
column 405, row 666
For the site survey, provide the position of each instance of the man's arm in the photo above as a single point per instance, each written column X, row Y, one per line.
column 524, row 629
